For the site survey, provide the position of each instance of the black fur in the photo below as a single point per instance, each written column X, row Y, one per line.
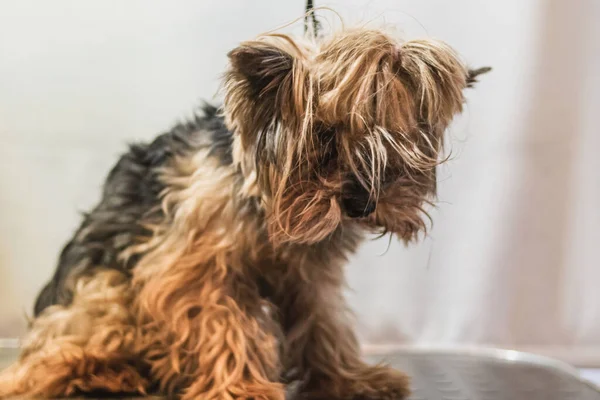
column 356, row 201
column 131, row 194
column 474, row 73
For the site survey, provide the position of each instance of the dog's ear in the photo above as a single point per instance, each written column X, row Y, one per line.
column 438, row 78
column 266, row 86
column 473, row 74
column 262, row 66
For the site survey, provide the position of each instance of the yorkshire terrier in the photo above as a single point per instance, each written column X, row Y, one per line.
column 212, row 268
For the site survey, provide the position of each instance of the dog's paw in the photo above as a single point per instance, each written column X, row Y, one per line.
column 380, row 383
column 368, row 383
column 401, row 394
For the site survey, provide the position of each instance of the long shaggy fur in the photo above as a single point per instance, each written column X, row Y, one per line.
column 213, row 266
column 353, row 112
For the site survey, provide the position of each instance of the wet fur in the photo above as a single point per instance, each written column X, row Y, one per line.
column 213, row 266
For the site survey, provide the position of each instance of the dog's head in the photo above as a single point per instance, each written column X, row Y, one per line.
column 349, row 129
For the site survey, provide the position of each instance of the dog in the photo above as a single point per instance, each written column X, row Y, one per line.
column 212, row 268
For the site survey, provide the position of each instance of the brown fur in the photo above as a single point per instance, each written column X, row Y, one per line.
column 242, row 280
column 387, row 102
column 87, row 346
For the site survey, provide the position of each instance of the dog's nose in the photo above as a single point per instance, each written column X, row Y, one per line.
column 355, row 210
column 356, row 201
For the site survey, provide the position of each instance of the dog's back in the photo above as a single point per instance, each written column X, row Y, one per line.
column 130, row 202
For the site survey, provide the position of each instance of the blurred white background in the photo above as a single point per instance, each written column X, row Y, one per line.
column 512, row 260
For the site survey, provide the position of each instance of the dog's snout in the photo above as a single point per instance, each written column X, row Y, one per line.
column 356, row 200
column 355, row 210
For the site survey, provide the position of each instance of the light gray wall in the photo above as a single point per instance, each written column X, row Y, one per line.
column 510, row 260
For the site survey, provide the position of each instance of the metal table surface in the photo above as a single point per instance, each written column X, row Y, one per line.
column 475, row 375
column 489, row 375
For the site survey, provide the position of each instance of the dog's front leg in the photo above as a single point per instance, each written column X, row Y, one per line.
column 323, row 347
column 208, row 336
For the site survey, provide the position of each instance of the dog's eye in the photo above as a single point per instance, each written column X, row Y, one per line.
column 329, row 146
